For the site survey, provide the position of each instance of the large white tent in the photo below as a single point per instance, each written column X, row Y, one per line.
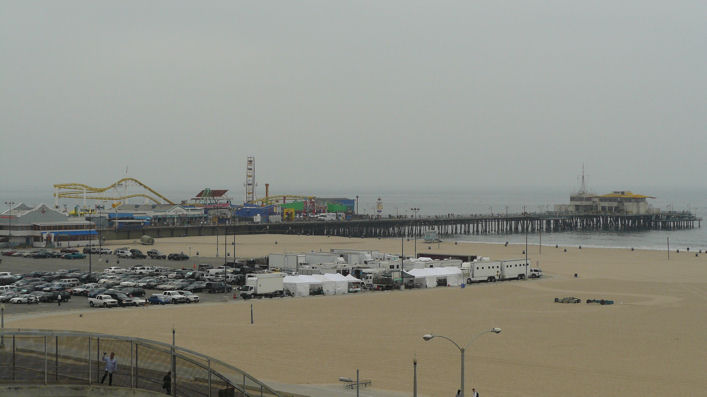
column 300, row 285
column 428, row 277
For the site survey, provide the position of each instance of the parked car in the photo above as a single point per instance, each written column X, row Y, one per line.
column 41, row 254
column 29, row 299
column 191, row 298
column 123, row 300
column 137, row 254
column 6, row 296
column 74, row 255
column 157, row 299
column 102, row 301
column 154, row 254
column 175, row 297
column 213, row 287
column 133, row 292
column 68, row 250
column 177, row 257
column 123, row 253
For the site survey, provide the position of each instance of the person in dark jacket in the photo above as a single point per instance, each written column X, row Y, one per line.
column 167, row 382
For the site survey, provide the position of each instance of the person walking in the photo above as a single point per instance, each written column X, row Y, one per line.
column 111, row 366
column 167, row 382
column 459, row 393
column 58, row 300
column 474, row 393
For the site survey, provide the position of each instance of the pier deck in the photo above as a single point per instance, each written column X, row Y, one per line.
column 444, row 225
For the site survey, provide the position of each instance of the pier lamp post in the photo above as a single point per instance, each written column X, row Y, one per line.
column 428, row 337
column 415, row 210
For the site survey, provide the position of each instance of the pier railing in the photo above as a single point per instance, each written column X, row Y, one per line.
column 68, row 357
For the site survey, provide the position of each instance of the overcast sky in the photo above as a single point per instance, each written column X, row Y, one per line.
column 343, row 95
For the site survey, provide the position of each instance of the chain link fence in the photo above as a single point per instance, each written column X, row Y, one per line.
column 67, row 357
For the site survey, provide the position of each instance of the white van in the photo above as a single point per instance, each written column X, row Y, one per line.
column 5, row 288
column 71, row 282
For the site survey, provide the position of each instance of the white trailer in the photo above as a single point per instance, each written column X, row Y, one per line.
column 263, row 285
column 514, row 269
column 286, row 262
column 481, row 271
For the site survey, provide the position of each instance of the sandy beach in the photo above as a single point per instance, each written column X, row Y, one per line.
column 651, row 342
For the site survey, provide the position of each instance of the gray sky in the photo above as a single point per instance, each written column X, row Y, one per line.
column 347, row 95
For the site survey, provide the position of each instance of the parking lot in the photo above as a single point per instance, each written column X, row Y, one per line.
column 98, row 263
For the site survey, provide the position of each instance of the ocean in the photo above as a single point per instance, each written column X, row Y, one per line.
column 485, row 201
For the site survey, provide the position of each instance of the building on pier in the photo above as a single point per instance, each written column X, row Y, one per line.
column 622, row 202
column 42, row 226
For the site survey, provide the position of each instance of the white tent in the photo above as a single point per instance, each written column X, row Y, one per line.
column 352, row 279
column 428, row 277
column 333, row 283
column 354, row 283
column 300, row 285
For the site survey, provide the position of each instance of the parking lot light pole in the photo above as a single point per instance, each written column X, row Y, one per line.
column 9, row 228
column 2, row 324
column 428, row 337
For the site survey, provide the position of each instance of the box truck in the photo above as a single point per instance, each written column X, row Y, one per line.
column 267, row 285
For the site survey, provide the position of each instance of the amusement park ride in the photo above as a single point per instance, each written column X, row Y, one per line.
column 129, row 188
column 117, row 192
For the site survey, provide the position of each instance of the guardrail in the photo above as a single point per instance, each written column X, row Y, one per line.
column 71, row 357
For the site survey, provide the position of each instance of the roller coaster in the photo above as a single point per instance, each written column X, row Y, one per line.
column 80, row 191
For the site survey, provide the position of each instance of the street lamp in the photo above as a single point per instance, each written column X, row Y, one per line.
column 415, row 227
column 9, row 228
column 428, row 337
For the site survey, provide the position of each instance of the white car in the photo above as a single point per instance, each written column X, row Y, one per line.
column 123, row 253
column 106, row 251
column 191, row 298
column 114, row 270
column 128, row 284
column 139, row 301
column 25, row 299
column 535, row 273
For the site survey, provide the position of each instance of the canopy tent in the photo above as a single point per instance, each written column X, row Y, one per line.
column 354, row 283
column 333, row 283
column 428, row 277
column 352, row 279
column 300, row 285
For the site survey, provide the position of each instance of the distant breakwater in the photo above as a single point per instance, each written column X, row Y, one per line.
column 443, row 225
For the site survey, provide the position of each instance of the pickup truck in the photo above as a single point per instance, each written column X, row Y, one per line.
column 102, row 301
column 175, row 297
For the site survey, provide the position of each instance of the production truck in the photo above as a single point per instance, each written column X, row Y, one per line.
column 514, row 269
column 481, row 271
column 267, row 285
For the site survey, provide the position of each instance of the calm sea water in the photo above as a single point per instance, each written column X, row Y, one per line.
column 485, row 201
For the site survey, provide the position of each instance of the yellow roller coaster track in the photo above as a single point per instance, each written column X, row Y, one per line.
column 81, row 191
